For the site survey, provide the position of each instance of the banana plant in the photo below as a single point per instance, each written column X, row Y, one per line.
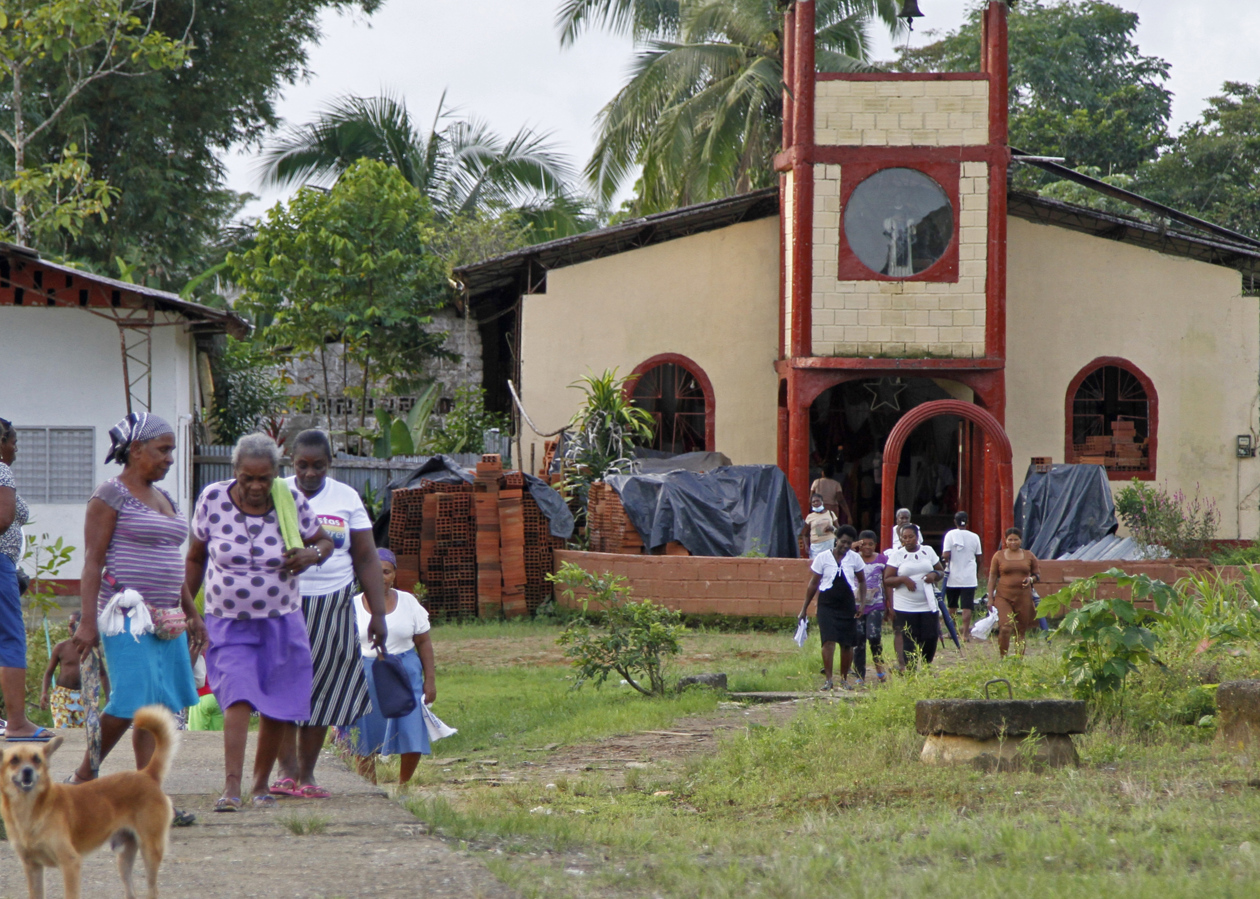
column 406, row 436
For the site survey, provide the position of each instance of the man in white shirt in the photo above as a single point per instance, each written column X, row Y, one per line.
column 839, row 582
column 961, row 551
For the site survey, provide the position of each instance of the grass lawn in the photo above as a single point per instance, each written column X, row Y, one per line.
column 834, row 801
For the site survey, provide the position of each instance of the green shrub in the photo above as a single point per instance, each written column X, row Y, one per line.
column 632, row 637
column 1182, row 525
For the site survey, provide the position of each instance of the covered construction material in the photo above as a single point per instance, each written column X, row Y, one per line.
column 726, row 512
column 1065, row 508
column 481, row 545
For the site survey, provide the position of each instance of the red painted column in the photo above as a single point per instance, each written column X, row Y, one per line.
column 789, row 75
column 798, row 439
column 802, row 248
column 996, row 66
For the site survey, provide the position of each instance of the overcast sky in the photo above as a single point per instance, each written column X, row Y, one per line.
column 501, row 60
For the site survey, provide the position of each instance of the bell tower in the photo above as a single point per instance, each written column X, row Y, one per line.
column 893, row 196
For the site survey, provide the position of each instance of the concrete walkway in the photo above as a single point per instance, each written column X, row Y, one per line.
column 372, row 847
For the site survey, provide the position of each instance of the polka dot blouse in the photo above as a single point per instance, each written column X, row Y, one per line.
column 244, row 577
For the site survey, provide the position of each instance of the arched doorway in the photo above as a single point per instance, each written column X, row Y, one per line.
column 849, row 425
column 678, row 395
column 998, row 510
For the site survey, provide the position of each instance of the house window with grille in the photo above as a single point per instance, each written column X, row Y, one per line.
column 675, row 399
column 1111, row 420
column 55, row 465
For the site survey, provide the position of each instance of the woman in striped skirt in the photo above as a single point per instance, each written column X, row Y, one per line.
column 339, row 691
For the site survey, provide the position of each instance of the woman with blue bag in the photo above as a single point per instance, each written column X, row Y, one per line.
column 408, row 643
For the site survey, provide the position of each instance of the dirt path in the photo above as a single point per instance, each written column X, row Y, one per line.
column 371, row 846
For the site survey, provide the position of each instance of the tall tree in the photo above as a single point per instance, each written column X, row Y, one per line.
column 1080, row 86
column 460, row 165
column 160, row 139
column 701, row 114
column 350, row 267
column 1213, row 166
column 79, row 43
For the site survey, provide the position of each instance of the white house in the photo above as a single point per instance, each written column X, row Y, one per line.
column 77, row 352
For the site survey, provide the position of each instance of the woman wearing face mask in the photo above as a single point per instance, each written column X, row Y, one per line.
column 840, row 586
column 822, row 524
column 1012, row 574
column 911, row 571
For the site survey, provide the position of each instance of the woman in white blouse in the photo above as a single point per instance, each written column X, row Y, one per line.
column 407, row 626
column 911, row 571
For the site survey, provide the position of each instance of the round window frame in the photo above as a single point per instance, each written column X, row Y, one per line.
column 946, row 175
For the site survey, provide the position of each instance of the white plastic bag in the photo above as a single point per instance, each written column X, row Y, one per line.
column 982, row 628
column 437, row 730
column 121, row 606
column 802, row 631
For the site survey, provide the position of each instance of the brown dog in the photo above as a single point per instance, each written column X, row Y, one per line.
column 53, row 824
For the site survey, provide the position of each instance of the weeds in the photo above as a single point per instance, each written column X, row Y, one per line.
column 303, row 825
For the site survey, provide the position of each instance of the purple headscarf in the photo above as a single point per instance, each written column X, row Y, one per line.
column 387, row 555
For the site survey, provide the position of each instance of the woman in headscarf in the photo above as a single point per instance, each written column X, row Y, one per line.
column 259, row 658
column 339, row 690
column 133, row 534
column 13, row 514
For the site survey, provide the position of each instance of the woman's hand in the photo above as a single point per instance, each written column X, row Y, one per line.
column 430, row 692
column 85, row 638
column 376, row 632
column 1026, row 583
column 298, row 560
column 197, row 636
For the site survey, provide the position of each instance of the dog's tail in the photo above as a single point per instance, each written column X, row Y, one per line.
column 159, row 722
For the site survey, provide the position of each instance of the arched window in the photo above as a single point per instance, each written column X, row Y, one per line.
column 679, row 397
column 1112, row 418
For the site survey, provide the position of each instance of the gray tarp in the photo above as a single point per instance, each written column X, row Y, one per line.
column 1064, row 509
column 648, row 461
column 445, row 470
column 725, row 512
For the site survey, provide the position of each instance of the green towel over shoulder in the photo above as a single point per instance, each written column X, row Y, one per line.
column 286, row 514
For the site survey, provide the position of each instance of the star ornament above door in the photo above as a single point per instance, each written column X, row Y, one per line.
column 886, row 392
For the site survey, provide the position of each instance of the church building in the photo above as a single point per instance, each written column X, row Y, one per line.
column 895, row 313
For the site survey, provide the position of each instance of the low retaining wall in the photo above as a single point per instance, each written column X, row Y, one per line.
column 704, row 585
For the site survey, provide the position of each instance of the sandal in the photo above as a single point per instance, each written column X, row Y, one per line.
column 285, row 786
column 264, row 801
column 227, row 804
column 183, row 818
column 313, row 791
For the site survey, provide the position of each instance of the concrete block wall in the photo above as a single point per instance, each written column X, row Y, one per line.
column 900, row 318
column 902, row 113
column 705, row 585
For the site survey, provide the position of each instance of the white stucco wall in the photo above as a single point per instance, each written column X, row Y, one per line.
column 63, row 368
column 1073, row 298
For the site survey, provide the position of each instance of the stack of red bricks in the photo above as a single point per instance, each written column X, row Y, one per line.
column 512, row 544
column 480, row 549
column 1127, row 451
column 489, row 569
column 432, row 530
column 607, row 524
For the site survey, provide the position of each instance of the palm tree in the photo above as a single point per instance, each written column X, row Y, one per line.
column 461, row 166
column 701, row 115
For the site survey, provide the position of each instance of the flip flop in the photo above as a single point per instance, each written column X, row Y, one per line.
column 227, row 804
column 313, row 791
column 41, row 735
column 285, row 786
column 264, row 801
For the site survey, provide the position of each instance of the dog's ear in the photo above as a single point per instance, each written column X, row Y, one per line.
column 53, row 745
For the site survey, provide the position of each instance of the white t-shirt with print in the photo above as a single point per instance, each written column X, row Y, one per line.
column 826, row 566
column 339, row 511
column 408, row 620
column 914, row 565
column 963, row 547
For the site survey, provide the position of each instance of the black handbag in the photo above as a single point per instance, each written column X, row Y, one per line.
column 393, row 687
column 24, row 582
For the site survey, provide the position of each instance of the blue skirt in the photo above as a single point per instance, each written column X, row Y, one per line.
column 147, row 672
column 12, row 628
column 394, row 736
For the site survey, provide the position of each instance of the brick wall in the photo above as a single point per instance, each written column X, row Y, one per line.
column 1057, row 575
column 902, row 113
column 706, row 585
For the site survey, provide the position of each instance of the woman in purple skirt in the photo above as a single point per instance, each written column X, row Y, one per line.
column 259, row 657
